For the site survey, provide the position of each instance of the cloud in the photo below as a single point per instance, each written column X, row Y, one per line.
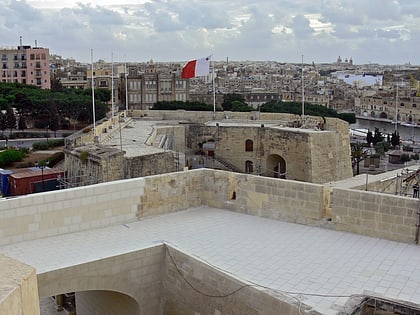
column 241, row 29
column 301, row 26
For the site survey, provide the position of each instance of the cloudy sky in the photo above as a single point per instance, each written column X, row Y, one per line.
column 369, row 31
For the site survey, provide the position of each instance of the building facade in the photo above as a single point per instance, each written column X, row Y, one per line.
column 27, row 65
column 145, row 90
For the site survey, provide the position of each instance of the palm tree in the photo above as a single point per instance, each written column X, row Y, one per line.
column 358, row 154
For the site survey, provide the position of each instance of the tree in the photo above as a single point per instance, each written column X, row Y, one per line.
column 10, row 119
column 369, row 137
column 22, row 123
column 238, row 106
column 229, row 98
column 377, row 137
column 358, row 154
column 3, row 123
column 395, row 139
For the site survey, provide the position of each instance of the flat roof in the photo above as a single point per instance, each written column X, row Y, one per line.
column 322, row 267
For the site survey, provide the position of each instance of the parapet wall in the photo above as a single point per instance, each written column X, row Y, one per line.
column 59, row 212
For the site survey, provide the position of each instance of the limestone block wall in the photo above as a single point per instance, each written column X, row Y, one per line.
column 63, row 211
column 136, row 274
column 225, row 294
column 176, row 135
column 204, row 116
column 266, row 197
column 18, row 288
column 171, row 192
column 309, row 155
column 94, row 164
column 379, row 215
column 152, row 164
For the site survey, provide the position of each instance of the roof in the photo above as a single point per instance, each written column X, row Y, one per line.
column 38, row 172
column 322, row 268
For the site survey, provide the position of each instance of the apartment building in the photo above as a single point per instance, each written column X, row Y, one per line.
column 27, row 65
column 144, row 90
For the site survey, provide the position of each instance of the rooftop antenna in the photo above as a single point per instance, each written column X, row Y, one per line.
column 36, row 43
column 20, row 41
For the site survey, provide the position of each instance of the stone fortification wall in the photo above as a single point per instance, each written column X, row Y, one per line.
column 59, row 212
column 374, row 214
column 174, row 137
column 152, row 164
column 180, row 298
column 265, row 197
column 104, row 128
column 94, row 164
column 309, row 155
column 202, row 116
column 18, row 288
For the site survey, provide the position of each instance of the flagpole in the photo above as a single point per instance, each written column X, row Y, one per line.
column 112, row 88
column 303, row 98
column 126, row 86
column 214, row 88
column 93, row 98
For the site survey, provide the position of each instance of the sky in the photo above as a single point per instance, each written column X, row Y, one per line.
column 368, row 31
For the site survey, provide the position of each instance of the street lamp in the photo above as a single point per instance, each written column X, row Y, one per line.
column 46, row 132
column 42, row 165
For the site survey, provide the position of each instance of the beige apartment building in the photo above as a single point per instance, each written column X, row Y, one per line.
column 404, row 109
column 27, row 65
column 145, row 90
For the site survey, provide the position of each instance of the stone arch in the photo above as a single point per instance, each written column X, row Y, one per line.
column 105, row 302
column 249, row 145
column 383, row 115
column 372, row 114
column 249, row 167
column 276, row 166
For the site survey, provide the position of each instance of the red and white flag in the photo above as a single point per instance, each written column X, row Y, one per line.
column 196, row 68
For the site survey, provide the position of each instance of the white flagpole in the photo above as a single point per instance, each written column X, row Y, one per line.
column 303, row 97
column 93, row 98
column 112, row 88
column 214, row 88
column 126, row 86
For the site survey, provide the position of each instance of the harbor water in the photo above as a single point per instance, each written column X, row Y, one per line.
column 407, row 133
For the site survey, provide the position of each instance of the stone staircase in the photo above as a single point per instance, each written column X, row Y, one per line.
column 226, row 164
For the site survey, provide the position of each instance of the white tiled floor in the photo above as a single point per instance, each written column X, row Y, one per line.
column 287, row 257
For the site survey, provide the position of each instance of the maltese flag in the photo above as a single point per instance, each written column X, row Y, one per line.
column 196, row 68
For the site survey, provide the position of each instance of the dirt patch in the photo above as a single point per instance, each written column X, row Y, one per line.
column 31, row 159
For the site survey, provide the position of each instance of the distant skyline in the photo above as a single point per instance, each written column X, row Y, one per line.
column 373, row 31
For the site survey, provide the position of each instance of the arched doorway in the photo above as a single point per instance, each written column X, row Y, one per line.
column 383, row 115
column 249, row 167
column 276, row 166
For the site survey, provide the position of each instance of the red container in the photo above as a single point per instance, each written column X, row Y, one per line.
column 31, row 181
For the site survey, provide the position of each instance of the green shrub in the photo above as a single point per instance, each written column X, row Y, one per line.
column 45, row 145
column 56, row 158
column 415, row 157
column 7, row 157
column 405, row 157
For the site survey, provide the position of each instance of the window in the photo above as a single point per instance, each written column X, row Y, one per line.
column 32, row 57
column 249, row 145
column 414, row 105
